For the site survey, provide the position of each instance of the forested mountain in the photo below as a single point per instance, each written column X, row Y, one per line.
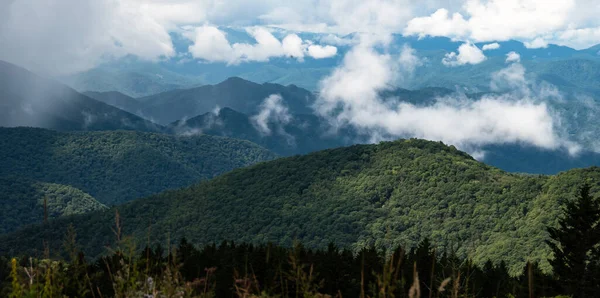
column 235, row 93
column 304, row 133
column 27, row 99
column 22, row 202
column 116, row 99
column 117, row 166
column 393, row 193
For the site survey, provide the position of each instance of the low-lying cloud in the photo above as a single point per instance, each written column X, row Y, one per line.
column 351, row 95
column 272, row 110
column 468, row 53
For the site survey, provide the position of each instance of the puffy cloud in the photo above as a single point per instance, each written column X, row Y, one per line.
column 513, row 57
column 567, row 22
column 578, row 38
column 536, row 43
column 491, row 46
column 211, row 44
column 495, row 20
column 272, row 110
column 320, row 52
column 468, row 53
column 438, row 24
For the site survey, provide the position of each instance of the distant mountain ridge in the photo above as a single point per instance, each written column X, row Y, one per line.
column 27, row 99
column 308, row 73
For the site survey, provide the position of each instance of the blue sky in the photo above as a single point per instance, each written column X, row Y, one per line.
column 75, row 35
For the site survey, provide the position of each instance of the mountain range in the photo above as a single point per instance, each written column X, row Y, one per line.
column 138, row 78
column 27, row 99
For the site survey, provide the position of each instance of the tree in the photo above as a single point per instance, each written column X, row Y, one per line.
column 573, row 244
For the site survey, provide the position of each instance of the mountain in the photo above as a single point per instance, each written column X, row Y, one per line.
column 27, row 99
column 365, row 195
column 116, row 99
column 131, row 76
column 22, row 202
column 136, row 78
column 235, row 93
column 302, row 134
column 118, row 166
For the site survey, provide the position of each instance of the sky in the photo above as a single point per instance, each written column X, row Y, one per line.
column 68, row 36
column 75, row 35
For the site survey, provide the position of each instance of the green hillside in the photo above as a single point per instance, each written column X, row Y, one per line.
column 23, row 202
column 393, row 193
column 118, row 166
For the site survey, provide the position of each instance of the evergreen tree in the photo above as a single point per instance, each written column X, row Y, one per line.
column 573, row 243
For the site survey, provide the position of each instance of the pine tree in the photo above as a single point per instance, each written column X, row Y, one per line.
column 573, row 242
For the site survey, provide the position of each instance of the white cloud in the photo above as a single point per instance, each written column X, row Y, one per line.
column 409, row 60
column 468, row 53
column 351, row 95
column 536, row 43
column 320, row 52
column 511, row 78
column 491, row 46
column 513, row 57
column 272, row 110
column 579, row 38
column 438, row 24
column 72, row 35
column 211, row 44
column 495, row 20
column 567, row 22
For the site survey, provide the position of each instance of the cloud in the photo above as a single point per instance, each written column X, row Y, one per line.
column 494, row 20
column 536, row 43
column 352, row 96
column 211, row 44
column 409, row 60
column 513, row 57
column 272, row 111
column 71, row 35
column 468, row 53
column 491, row 46
column 320, row 52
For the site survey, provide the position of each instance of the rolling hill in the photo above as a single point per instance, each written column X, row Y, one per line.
column 118, row 166
column 365, row 195
column 23, row 202
column 27, row 99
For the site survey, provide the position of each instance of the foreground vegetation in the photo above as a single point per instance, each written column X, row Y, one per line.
column 244, row 270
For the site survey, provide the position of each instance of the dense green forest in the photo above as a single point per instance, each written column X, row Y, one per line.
column 386, row 195
column 246, row 270
column 22, row 202
column 118, row 166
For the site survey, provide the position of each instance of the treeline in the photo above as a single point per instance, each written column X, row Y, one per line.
column 245, row 270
